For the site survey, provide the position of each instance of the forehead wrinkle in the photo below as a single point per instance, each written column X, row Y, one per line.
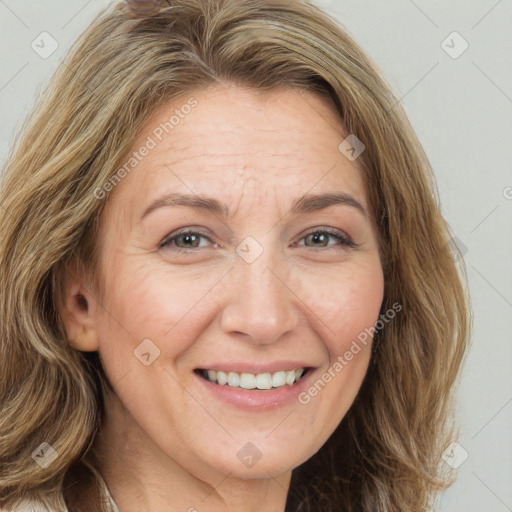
column 257, row 201
column 258, row 153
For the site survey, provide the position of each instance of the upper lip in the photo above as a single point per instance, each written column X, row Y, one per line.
column 246, row 367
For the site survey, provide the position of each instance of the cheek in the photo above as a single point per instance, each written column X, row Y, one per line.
column 345, row 303
column 153, row 302
column 345, row 309
column 357, row 312
column 172, row 307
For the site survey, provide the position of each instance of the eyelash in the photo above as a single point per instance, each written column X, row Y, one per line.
column 344, row 241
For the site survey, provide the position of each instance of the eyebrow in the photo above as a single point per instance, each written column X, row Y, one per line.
column 305, row 204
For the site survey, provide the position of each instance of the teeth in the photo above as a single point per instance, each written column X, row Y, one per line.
column 290, row 377
column 222, row 378
column 263, row 381
column 247, row 381
column 278, row 379
column 254, row 381
column 233, row 379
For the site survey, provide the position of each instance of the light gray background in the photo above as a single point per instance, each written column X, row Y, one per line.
column 462, row 111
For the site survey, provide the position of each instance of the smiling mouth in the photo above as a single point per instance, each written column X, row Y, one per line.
column 252, row 381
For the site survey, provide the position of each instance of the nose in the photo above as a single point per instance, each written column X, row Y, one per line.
column 260, row 302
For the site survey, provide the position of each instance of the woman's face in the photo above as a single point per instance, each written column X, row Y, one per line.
column 268, row 280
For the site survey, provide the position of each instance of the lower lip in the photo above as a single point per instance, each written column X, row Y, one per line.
column 253, row 399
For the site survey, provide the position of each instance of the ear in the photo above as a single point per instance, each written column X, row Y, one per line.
column 79, row 310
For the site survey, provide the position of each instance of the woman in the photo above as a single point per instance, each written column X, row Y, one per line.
column 226, row 282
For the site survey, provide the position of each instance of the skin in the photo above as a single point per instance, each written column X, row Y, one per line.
column 168, row 443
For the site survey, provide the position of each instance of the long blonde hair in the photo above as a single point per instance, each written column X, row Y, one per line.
column 386, row 453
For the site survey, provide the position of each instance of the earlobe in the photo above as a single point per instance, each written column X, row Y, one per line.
column 84, row 339
column 79, row 315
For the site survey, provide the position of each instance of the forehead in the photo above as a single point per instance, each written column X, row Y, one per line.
column 278, row 142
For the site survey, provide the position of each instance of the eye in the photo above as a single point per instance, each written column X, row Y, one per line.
column 185, row 241
column 320, row 237
column 189, row 240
